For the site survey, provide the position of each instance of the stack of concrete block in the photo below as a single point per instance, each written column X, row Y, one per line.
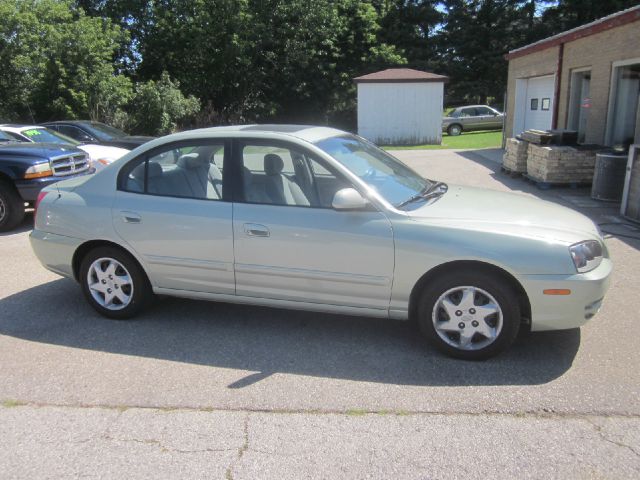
column 515, row 155
column 558, row 164
column 540, row 137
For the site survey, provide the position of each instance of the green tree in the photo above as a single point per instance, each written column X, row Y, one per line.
column 568, row 14
column 158, row 107
column 474, row 38
column 58, row 62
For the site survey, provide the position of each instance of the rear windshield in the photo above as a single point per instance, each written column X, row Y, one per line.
column 104, row 132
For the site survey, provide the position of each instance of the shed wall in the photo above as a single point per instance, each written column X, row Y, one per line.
column 401, row 113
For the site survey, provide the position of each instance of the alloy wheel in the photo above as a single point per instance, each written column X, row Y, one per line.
column 467, row 318
column 110, row 284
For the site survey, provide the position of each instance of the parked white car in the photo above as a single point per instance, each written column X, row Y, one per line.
column 315, row 218
column 100, row 155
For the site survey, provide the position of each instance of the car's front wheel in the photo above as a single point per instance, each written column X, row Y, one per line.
column 11, row 207
column 113, row 283
column 472, row 316
column 454, row 130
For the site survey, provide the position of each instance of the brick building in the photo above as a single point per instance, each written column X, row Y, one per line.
column 586, row 79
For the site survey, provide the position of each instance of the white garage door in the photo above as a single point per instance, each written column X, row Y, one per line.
column 538, row 108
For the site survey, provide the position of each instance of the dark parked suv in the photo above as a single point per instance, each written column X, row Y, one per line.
column 98, row 133
column 26, row 168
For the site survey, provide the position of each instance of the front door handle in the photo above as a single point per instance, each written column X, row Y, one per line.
column 131, row 217
column 256, row 230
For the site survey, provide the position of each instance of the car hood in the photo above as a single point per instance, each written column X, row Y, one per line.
column 508, row 213
column 97, row 152
column 41, row 150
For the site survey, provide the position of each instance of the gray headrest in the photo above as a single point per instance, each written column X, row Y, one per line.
column 273, row 164
column 155, row 170
column 191, row 160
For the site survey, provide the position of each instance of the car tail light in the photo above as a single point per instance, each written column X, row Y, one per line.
column 41, row 195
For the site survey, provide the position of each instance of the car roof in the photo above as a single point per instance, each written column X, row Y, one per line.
column 308, row 133
column 16, row 127
column 70, row 122
column 474, row 106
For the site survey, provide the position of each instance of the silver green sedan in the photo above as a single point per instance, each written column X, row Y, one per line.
column 318, row 219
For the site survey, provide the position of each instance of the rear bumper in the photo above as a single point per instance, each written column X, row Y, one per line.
column 55, row 252
column 560, row 312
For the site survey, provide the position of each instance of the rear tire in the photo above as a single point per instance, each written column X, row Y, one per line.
column 469, row 315
column 113, row 283
column 454, row 130
column 11, row 207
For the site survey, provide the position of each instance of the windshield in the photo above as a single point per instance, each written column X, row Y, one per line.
column 104, row 132
column 393, row 180
column 44, row 135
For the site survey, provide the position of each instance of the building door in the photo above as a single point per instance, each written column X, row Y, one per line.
column 579, row 103
column 539, row 103
column 625, row 108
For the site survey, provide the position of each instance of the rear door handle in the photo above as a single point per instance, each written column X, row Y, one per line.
column 131, row 217
column 256, row 230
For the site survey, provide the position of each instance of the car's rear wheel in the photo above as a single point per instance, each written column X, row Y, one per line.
column 11, row 207
column 472, row 316
column 454, row 130
column 113, row 283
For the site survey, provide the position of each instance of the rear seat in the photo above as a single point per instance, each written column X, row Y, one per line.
column 190, row 178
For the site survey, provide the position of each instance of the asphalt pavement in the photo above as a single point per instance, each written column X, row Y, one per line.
column 195, row 389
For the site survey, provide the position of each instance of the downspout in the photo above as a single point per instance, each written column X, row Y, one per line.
column 556, row 100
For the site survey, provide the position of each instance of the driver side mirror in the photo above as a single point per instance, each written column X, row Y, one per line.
column 349, row 199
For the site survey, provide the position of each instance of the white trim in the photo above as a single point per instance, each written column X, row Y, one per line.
column 627, row 180
column 612, row 95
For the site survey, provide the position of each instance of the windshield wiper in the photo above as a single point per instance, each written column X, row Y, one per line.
column 433, row 190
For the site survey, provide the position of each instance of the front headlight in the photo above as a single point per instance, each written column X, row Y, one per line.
column 38, row 170
column 586, row 255
column 105, row 161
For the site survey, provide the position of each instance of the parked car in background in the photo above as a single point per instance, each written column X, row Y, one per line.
column 316, row 218
column 26, row 168
column 471, row 118
column 100, row 155
column 86, row 131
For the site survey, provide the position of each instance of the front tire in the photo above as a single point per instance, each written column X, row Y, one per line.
column 11, row 207
column 454, row 130
column 472, row 316
column 113, row 283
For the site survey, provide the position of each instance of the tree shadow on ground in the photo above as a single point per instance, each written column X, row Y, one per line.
column 272, row 341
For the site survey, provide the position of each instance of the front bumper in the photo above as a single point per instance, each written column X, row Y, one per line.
column 55, row 252
column 560, row 312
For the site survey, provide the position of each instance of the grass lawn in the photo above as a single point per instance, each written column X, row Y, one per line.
column 471, row 140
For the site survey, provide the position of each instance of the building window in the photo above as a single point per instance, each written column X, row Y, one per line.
column 624, row 114
column 546, row 102
column 534, row 104
column 579, row 103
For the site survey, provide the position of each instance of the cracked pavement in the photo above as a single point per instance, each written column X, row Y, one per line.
column 205, row 390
